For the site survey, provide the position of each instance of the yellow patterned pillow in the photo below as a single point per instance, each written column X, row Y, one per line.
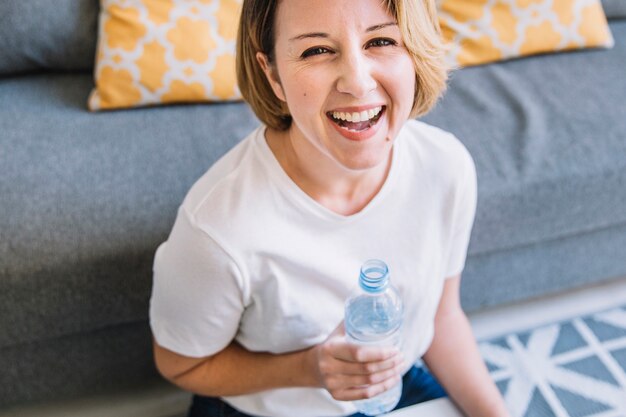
column 165, row 51
column 481, row 31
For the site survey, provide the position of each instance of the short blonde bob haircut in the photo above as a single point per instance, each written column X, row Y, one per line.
column 418, row 23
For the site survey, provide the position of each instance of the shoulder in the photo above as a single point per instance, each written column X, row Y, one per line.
column 228, row 192
column 228, row 201
column 437, row 151
column 434, row 142
column 223, row 175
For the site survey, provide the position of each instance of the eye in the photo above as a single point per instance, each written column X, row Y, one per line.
column 378, row 42
column 318, row 50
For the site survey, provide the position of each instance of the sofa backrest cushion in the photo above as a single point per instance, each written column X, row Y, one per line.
column 614, row 9
column 47, row 34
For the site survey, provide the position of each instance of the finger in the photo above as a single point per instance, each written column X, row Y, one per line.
column 369, row 368
column 369, row 391
column 342, row 382
column 340, row 330
column 341, row 375
column 354, row 353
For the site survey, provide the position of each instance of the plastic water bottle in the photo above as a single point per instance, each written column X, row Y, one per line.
column 374, row 318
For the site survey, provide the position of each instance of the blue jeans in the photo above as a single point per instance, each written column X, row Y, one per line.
column 418, row 385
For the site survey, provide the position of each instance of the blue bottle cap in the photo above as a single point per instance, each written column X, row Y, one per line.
column 374, row 276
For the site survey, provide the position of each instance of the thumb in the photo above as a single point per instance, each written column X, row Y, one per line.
column 340, row 330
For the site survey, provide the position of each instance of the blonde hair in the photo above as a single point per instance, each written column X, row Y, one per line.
column 418, row 24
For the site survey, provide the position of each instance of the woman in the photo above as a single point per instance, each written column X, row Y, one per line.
column 248, row 294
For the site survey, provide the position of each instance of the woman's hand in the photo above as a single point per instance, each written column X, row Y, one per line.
column 351, row 372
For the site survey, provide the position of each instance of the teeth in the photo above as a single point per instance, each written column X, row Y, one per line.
column 356, row 116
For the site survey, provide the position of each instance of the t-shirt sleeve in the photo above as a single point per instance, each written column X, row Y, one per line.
column 197, row 297
column 463, row 214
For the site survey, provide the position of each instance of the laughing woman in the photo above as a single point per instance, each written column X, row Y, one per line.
column 249, row 288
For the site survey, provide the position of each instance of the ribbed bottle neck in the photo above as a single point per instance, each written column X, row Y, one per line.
column 374, row 276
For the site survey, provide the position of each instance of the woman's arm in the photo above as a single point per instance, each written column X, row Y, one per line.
column 341, row 368
column 454, row 359
column 233, row 371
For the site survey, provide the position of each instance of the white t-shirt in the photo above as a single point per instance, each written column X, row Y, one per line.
column 253, row 258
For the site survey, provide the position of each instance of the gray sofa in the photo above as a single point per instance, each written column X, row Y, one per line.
column 86, row 198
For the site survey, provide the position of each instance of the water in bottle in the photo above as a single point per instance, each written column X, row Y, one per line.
column 374, row 317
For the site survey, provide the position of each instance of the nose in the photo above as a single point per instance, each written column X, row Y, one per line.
column 355, row 75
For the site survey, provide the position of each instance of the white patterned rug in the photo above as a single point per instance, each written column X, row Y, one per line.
column 575, row 368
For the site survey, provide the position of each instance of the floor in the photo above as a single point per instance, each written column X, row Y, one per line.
column 165, row 401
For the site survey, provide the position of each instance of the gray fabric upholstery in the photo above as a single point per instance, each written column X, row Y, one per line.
column 614, row 9
column 59, row 34
column 550, row 164
column 89, row 363
column 543, row 268
column 87, row 197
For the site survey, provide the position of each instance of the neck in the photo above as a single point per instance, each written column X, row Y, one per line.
column 330, row 184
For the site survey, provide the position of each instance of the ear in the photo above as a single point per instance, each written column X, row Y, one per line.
column 272, row 75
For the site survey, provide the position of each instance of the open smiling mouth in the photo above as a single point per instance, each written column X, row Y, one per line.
column 357, row 121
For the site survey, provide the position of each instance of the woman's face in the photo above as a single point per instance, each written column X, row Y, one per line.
column 343, row 70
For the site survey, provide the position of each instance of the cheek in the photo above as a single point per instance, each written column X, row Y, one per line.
column 405, row 74
column 404, row 89
column 304, row 94
column 400, row 86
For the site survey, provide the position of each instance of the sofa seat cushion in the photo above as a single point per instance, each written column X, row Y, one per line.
column 87, row 198
column 548, row 136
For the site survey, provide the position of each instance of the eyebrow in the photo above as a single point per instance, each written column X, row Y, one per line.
column 325, row 35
